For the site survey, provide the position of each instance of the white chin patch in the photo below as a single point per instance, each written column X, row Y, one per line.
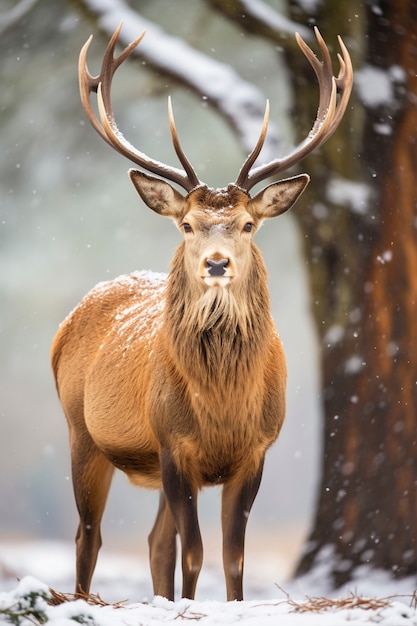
column 217, row 281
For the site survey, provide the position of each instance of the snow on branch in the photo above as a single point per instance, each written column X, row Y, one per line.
column 10, row 18
column 257, row 17
column 265, row 14
column 239, row 102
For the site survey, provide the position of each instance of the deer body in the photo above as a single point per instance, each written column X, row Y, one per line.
column 179, row 380
column 212, row 413
column 175, row 367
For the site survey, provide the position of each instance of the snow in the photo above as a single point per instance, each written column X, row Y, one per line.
column 310, row 6
column 354, row 364
column 334, row 334
column 385, row 257
column 352, row 194
column 372, row 599
column 274, row 20
column 376, row 87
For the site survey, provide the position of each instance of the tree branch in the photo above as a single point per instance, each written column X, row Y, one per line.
column 10, row 18
column 258, row 18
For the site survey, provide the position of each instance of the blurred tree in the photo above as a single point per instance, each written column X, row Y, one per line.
column 361, row 247
column 358, row 223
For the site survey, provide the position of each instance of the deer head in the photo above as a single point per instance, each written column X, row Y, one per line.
column 217, row 225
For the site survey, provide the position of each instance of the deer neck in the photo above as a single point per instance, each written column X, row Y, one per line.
column 217, row 334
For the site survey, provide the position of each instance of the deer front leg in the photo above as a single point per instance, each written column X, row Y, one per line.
column 237, row 500
column 163, row 551
column 181, row 496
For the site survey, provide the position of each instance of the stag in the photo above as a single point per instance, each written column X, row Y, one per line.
column 179, row 380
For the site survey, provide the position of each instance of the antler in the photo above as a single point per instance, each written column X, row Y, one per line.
column 329, row 114
column 106, row 125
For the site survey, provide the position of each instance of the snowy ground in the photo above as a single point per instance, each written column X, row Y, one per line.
column 126, row 578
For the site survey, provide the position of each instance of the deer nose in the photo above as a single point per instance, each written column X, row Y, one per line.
column 217, row 268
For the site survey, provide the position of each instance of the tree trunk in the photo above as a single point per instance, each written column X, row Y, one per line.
column 361, row 245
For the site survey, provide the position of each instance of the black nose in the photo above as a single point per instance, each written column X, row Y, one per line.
column 217, row 267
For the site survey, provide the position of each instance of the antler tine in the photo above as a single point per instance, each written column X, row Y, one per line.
column 89, row 83
column 106, row 126
column 344, row 83
column 329, row 113
column 323, row 70
column 245, row 169
column 111, row 63
column 177, row 147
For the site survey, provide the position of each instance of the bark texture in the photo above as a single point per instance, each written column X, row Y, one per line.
column 361, row 243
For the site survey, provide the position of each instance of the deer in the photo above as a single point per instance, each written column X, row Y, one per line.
column 179, row 380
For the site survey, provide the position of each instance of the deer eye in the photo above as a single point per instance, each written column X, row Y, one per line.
column 186, row 227
column 248, row 227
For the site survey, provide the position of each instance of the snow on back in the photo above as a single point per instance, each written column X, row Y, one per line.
column 139, row 322
column 142, row 317
column 155, row 279
column 142, row 278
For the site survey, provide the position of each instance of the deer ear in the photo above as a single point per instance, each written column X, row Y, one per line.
column 157, row 194
column 277, row 198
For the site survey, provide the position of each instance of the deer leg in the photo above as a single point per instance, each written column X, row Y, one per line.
column 91, row 476
column 163, row 551
column 237, row 500
column 181, row 496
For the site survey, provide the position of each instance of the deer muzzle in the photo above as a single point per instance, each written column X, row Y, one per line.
column 217, row 270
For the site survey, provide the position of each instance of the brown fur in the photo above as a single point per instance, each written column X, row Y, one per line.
column 178, row 383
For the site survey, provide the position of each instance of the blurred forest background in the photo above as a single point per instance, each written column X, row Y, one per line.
column 70, row 218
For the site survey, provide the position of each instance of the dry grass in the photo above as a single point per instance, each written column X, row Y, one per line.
column 57, row 597
column 307, row 605
column 351, row 601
